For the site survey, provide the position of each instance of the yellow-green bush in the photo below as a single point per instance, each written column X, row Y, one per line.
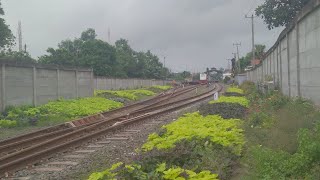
column 193, row 125
column 232, row 99
column 7, row 123
column 128, row 94
column 162, row 87
column 235, row 89
column 61, row 110
column 121, row 171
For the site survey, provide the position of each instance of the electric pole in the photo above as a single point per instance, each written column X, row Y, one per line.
column 238, row 44
column 252, row 24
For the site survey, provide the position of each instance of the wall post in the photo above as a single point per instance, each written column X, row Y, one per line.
column 58, row 85
column 34, row 80
column 3, row 87
column 298, row 60
column 280, row 63
column 77, row 83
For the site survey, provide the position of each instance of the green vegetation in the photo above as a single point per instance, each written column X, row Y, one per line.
column 194, row 126
column 279, row 13
column 6, row 36
column 208, row 145
column 246, row 60
column 58, row 111
column 105, row 59
column 232, row 99
column 136, row 172
column 283, row 137
column 133, row 94
column 161, row 87
column 234, row 90
column 7, row 123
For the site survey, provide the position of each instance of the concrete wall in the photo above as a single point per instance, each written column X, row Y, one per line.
column 36, row 84
column 293, row 61
column 104, row 83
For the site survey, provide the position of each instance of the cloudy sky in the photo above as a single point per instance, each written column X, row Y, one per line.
column 192, row 34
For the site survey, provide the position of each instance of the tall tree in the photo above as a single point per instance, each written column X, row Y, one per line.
column 6, row 37
column 246, row 60
column 276, row 13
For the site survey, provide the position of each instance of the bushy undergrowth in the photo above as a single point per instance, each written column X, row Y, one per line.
column 7, row 123
column 231, row 99
column 283, row 136
column 59, row 111
column 233, row 94
column 234, row 89
column 161, row 87
column 225, row 110
column 161, row 172
column 134, row 94
column 194, row 126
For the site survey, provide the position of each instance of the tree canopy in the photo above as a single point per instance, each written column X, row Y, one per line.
column 106, row 60
column 276, row 13
column 246, row 60
column 6, row 36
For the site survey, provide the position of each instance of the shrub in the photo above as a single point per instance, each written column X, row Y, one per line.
column 271, row 164
column 225, row 110
column 233, row 94
column 162, row 87
column 136, row 172
column 240, row 100
column 235, row 90
column 7, row 123
column 128, row 94
column 194, row 126
column 60, row 110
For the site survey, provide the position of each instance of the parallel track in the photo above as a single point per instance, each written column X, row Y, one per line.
column 64, row 140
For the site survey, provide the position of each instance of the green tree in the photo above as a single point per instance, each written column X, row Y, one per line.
column 86, row 51
column 6, row 37
column 276, row 13
column 106, row 60
column 246, row 60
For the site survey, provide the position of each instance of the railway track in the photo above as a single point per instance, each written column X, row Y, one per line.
column 62, row 139
column 7, row 144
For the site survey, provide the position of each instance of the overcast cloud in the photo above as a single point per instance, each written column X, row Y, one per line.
column 192, row 34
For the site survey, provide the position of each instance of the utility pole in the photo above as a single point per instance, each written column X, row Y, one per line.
column 238, row 44
column 20, row 36
column 252, row 24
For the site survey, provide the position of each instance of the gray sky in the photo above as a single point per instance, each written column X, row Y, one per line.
column 192, row 34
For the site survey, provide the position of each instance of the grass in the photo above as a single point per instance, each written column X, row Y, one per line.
column 283, row 138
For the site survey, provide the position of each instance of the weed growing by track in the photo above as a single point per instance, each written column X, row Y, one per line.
column 232, row 99
column 283, row 136
column 58, row 111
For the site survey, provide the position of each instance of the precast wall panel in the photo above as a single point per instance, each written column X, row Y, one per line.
column 84, row 84
column 18, row 85
column 46, row 85
column 293, row 62
column 67, row 84
column 284, row 66
column 309, row 53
